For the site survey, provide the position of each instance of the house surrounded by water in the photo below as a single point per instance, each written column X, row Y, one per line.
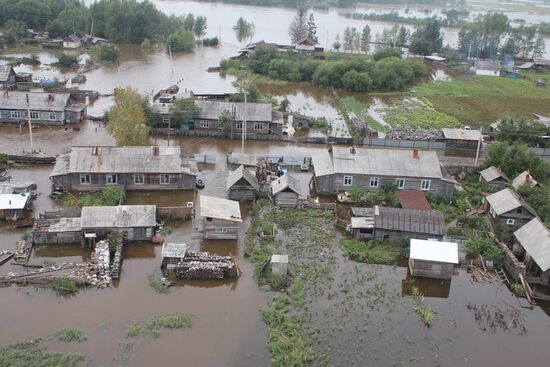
column 134, row 168
column 242, row 185
column 58, row 108
column 221, row 218
column 342, row 168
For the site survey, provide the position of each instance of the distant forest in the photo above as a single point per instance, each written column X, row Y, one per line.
column 337, row 3
column 121, row 21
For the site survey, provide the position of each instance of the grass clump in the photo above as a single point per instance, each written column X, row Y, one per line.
column 157, row 284
column 152, row 327
column 426, row 314
column 64, row 286
column 71, row 334
column 518, row 289
column 31, row 353
column 109, row 196
column 322, row 124
column 387, row 252
column 411, row 114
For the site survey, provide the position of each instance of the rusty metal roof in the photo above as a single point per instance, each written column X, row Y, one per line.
column 409, row 220
column 413, row 199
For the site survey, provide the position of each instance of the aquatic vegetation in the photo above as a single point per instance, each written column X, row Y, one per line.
column 426, row 314
column 71, row 334
column 518, row 289
column 387, row 252
column 65, row 286
column 152, row 327
column 157, row 284
column 31, row 353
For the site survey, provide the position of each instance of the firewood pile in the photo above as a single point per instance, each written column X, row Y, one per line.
column 262, row 171
column 117, row 259
column 202, row 265
column 101, row 261
column 480, row 275
column 410, row 134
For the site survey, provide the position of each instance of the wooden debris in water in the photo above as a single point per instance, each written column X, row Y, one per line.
column 23, row 251
column 202, row 265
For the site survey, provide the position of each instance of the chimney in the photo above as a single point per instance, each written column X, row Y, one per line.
column 155, row 150
column 415, row 153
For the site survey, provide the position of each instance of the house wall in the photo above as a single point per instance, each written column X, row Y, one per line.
column 487, row 72
column 133, row 233
column 431, row 269
column 286, row 199
column 267, row 127
column 43, row 116
column 219, row 229
column 242, row 193
column 385, row 234
column 48, row 238
column 151, row 182
column 333, row 184
column 70, row 44
column 451, row 144
column 75, row 117
column 11, row 214
column 299, row 123
column 363, row 234
column 505, row 230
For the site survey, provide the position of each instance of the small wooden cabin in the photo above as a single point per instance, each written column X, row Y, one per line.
column 13, row 205
column 302, row 122
column 433, row 259
column 220, row 218
column 172, row 255
column 285, row 191
column 494, row 178
column 242, row 185
column 533, row 245
column 507, row 212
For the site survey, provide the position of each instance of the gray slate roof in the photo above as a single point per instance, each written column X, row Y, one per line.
column 524, row 178
column 543, row 62
column 37, row 101
column 284, row 182
column 487, row 64
column 461, row 134
column 241, row 172
column 378, row 162
column 534, row 237
column 409, row 220
column 492, row 173
column 219, row 208
column 211, row 110
column 505, row 200
column 124, row 160
column 122, row 216
column 4, row 72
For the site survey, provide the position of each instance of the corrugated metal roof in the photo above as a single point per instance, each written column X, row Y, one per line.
column 284, row 182
column 219, row 208
column 122, row 216
column 4, row 72
column 211, row 110
column 413, row 199
column 492, row 173
column 241, row 172
column 544, row 62
column 506, row 200
column 362, row 222
column 378, row 162
column 13, row 201
column 361, row 212
column 487, row 64
column 174, row 249
column 124, row 160
column 444, row 252
column 524, row 178
column 37, row 101
column 535, row 239
column 66, row 225
column 409, row 220
column 461, row 134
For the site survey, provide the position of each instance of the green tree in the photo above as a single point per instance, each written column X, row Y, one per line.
column 200, row 27
column 336, row 45
column 355, row 81
column 365, row 39
column 16, row 28
column 312, row 29
column 298, row 29
column 184, row 110
column 244, row 30
column 402, row 36
column 516, row 158
column 189, row 22
column 427, row 38
column 109, row 52
column 127, row 121
column 181, row 40
column 225, row 119
column 66, row 61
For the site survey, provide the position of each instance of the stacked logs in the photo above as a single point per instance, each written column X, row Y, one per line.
column 410, row 134
column 202, row 265
column 101, row 261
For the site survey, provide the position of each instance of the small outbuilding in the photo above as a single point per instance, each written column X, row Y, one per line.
column 461, row 139
column 494, row 178
column 242, row 185
column 413, row 199
column 220, row 217
column 433, row 259
column 285, row 191
column 534, row 241
column 524, row 179
column 72, row 41
column 13, row 205
column 279, row 264
column 302, row 122
column 487, row 67
column 172, row 255
column 507, row 212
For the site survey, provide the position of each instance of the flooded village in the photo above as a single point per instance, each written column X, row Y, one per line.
column 336, row 199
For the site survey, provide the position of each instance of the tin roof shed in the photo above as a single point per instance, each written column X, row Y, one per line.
column 121, row 216
column 534, row 237
column 213, row 207
column 443, row 252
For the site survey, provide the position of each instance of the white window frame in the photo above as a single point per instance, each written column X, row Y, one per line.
column 425, row 185
column 258, row 126
column 400, row 183
column 35, row 115
column 510, row 221
column 238, row 125
column 50, row 114
column 221, row 229
column 204, row 124
column 162, row 179
column 85, row 179
column 348, row 181
column 16, row 115
column 374, row 182
column 139, row 179
column 109, row 179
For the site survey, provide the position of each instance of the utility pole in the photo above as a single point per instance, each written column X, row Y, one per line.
column 478, row 147
column 30, row 123
column 92, row 28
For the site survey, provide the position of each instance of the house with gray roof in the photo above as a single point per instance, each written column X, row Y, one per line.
column 285, row 191
column 524, row 179
column 58, row 108
column 494, row 178
column 371, row 168
column 507, row 212
column 221, row 218
column 7, row 76
column 135, row 168
column 242, row 185
column 487, row 67
column 137, row 222
column 533, row 245
column 461, row 139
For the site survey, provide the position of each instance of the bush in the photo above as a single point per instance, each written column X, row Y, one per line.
column 212, row 42
column 484, row 247
column 109, row 52
column 71, row 334
column 284, row 70
column 108, row 196
column 146, row 43
column 385, row 53
column 66, row 61
column 518, row 289
column 387, row 252
column 357, row 82
column 181, row 41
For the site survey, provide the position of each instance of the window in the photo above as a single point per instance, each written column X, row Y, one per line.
column 139, row 179
column 16, row 115
column 258, row 126
column 164, row 179
column 519, row 211
column 209, row 219
column 400, row 183
column 34, row 115
column 221, row 229
column 111, row 179
column 239, row 125
column 204, row 124
column 51, row 116
column 510, row 222
column 425, row 185
column 85, row 179
column 374, row 182
column 348, row 180
column 165, row 119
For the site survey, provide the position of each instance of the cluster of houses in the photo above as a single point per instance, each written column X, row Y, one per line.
column 305, row 47
column 71, row 42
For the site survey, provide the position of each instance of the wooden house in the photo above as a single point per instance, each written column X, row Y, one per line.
column 62, row 226
column 71, row 41
column 494, row 178
column 137, row 222
column 285, row 191
column 533, row 240
column 301, row 122
column 7, row 76
column 220, row 218
column 242, row 185
column 371, row 168
column 381, row 223
column 59, row 108
column 433, row 259
column 524, row 179
column 487, row 67
column 134, row 168
column 461, row 139
column 13, row 205
column 305, row 47
column 507, row 212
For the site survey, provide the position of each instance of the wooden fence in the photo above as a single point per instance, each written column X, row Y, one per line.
column 175, row 212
